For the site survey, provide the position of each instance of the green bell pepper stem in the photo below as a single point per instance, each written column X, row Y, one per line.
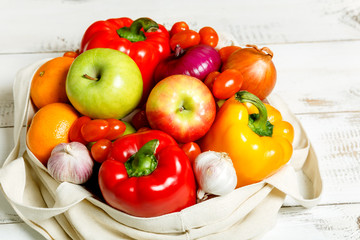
column 144, row 161
column 134, row 33
column 257, row 122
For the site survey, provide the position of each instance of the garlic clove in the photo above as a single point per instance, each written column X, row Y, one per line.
column 70, row 162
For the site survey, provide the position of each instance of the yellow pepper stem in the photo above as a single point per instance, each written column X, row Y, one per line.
column 257, row 122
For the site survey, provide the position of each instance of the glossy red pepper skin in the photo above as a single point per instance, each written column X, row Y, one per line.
column 146, row 52
column 169, row 188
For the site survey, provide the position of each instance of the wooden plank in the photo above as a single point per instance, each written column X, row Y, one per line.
column 16, row 231
column 335, row 138
column 332, row 222
column 318, row 77
column 260, row 22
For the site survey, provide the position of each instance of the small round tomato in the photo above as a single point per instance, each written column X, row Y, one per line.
column 227, row 83
column 178, row 27
column 184, row 39
column 71, row 54
column 139, row 120
column 95, row 130
column 225, row 52
column 116, row 128
column 192, row 150
column 210, row 78
column 100, row 150
column 208, row 36
column 75, row 130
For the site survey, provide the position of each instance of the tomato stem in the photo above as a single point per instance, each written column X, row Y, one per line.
column 144, row 161
column 257, row 122
column 134, row 33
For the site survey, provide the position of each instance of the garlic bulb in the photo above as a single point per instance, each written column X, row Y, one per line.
column 70, row 162
column 215, row 174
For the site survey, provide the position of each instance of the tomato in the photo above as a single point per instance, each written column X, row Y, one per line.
column 139, row 120
column 71, row 54
column 208, row 36
column 95, row 130
column 116, row 128
column 178, row 27
column 225, row 52
column 75, row 130
column 100, row 150
column 185, row 39
column 227, row 84
column 209, row 80
column 192, row 150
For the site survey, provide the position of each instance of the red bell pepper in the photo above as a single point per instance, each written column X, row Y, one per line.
column 147, row 174
column 145, row 41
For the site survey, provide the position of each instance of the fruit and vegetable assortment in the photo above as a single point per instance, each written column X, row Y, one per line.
column 161, row 118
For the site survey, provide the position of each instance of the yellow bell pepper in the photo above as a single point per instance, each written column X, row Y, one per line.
column 254, row 135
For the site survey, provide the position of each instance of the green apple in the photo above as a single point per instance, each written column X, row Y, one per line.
column 129, row 128
column 104, row 83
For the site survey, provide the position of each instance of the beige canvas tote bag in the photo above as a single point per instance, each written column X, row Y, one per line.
column 68, row 211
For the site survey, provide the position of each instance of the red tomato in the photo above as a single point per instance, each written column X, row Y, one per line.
column 116, row 128
column 178, row 27
column 100, row 150
column 71, row 54
column 192, row 150
column 227, row 83
column 209, row 80
column 139, row 120
column 225, row 52
column 95, row 130
column 75, row 130
column 185, row 39
column 208, row 36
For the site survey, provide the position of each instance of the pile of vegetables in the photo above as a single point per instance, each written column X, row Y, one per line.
column 148, row 172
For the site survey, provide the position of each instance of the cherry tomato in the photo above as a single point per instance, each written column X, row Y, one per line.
column 139, row 120
column 185, row 39
column 116, row 128
column 209, row 80
column 71, row 54
column 95, row 130
column 225, row 52
column 227, row 83
column 100, row 150
column 75, row 130
column 178, row 27
column 208, row 36
column 192, row 150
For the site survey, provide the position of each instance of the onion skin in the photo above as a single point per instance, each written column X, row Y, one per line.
column 257, row 68
column 197, row 61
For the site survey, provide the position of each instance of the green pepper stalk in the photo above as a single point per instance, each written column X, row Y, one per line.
column 144, row 161
column 257, row 122
column 134, row 33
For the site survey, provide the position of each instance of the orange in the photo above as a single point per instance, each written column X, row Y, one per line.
column 48, row 83
column 49, row 127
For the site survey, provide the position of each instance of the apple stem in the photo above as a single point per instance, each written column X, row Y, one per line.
column 90, row 77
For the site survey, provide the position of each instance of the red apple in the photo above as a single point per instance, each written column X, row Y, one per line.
column 181, row 106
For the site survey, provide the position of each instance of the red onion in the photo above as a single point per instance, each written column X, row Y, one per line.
column 197, row 61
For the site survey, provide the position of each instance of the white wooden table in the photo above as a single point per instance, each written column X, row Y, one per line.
column 316, row 45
